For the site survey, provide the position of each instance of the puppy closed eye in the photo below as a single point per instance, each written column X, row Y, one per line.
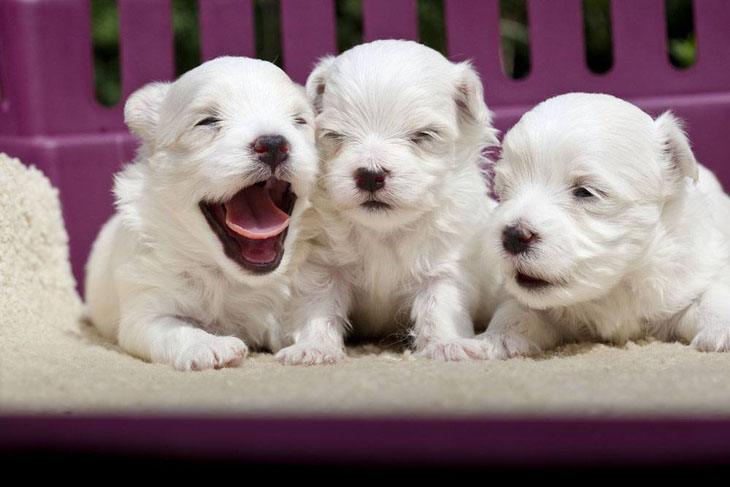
column 334, row 137
column 423, row 136
column 587, row 194
column 582, row 192
column 208, row 122
column 299, row 120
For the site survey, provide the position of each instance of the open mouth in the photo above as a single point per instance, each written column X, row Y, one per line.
column 253, row 224
column 375, row 205
column 530, row 282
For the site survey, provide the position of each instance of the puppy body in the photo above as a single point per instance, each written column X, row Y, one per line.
column 405, row 253
column 165, row 278
column 623, row 234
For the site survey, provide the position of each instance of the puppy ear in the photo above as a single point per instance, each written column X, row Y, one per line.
column 474, row 116
column 679, row 154
column 317, row 80
column 141, row 111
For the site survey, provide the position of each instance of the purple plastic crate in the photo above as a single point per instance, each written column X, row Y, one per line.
column 49, row 115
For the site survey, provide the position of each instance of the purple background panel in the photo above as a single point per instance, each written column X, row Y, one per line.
column 389, row 19
column 226, row 28
column 308, row 33
column 146, row 46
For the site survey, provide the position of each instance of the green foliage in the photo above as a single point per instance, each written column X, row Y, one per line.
column 515, row 38
column 349, row 23
column 431, row 28
column 680, row 31
column 105, row 35
column 268, row 31
column 683, row 52
column 187, row 35
column 597, row 31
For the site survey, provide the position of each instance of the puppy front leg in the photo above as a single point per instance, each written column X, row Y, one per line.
column 442, row 327
column 169, row 339
column 515, row 330
column 706, row 323
column 318, row 317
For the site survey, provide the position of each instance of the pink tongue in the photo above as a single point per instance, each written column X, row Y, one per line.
column 252, row 214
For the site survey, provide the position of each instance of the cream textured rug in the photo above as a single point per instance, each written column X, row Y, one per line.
column 52, row 362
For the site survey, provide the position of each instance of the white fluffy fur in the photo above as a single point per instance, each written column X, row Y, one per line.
column 648, row 254
column 158, row 279
column 404, row 108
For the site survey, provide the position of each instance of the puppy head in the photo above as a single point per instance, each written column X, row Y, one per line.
column 395, row 118
column 583, row 181
column 232, row 160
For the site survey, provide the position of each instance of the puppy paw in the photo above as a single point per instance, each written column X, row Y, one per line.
column 506, row 345
column 714, row 339
column 212, row 353
column 308, row 354
column 453, row 350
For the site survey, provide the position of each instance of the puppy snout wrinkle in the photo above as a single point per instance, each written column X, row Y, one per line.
column 272, row 149
column 516, row 239
column 369, row 180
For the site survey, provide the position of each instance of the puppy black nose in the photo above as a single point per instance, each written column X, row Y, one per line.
column 369, row 180
column 271, row 149
column 516, row 239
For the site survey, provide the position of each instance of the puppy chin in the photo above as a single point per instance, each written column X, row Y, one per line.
column 382, row 217
column 534, row 285
column 541, row 290
column 380, row 213
column 531, row 291
column 545, row 297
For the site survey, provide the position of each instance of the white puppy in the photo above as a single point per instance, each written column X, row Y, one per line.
column 400, row 203
column 608, row 229
column 208, row 216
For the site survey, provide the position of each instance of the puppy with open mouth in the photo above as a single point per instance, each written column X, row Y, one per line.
column 401, row 203
column 607, row 229
column 195, row 264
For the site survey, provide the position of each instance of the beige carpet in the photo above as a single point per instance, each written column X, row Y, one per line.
column 50, row 362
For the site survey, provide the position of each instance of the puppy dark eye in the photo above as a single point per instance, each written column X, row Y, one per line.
column 422, row 136
column 582, row 193
column 300, row 121
column 208, row 121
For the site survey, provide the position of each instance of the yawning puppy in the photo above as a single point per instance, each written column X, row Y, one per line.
column 607, row 229
column 400, row 203
column 196, row 259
